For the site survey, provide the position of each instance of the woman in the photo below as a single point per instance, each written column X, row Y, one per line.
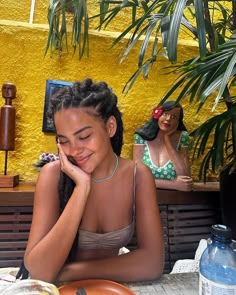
column 88, row 203
column 162, row 144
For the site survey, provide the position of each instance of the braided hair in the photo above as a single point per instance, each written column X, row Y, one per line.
column 150, row 129
column 90, row 94
column 86, row 94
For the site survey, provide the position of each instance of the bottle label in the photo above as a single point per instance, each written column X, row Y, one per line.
column 208, row 287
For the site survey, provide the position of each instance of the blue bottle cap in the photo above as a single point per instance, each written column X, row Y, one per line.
column 221, row 231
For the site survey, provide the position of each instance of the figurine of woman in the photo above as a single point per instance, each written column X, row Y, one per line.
column 162, row 144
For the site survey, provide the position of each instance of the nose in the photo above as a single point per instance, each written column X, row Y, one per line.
column 168, row 116
column 74, row 149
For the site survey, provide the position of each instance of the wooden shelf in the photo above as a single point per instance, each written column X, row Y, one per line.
column 20, row 195
column 23, row 195
column 202, row 193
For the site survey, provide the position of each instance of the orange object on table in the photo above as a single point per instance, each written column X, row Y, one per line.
column 95, row 287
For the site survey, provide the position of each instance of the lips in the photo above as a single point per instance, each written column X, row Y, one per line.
column 166, row 125
column 81, row 160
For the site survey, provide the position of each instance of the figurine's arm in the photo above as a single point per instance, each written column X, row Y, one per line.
column 180, row 183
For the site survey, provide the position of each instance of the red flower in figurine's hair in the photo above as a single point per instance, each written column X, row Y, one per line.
column 157, row 112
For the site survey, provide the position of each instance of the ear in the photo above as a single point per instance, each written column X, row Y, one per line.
column 111, row 126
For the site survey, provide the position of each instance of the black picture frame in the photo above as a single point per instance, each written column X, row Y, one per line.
column 51, row 87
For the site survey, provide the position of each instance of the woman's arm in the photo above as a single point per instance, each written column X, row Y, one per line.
column 144, row 263
column 51, row 235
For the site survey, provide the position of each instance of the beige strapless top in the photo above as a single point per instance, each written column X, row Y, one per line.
column 116, row 239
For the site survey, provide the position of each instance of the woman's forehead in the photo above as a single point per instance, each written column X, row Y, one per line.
column 76, row 117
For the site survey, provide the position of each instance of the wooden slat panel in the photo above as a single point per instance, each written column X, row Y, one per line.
column 188, row 247
column 191, row 214
column 16, row 209
column 187, row 239
column 13, row 244
column 10, row 263
column 179, row 255
column 14, row 236
column 190, row 207
column 187, row 225
column 15, row 217
column 15, row 226
column 189, row 230
column 192, row 222
column 16, row 253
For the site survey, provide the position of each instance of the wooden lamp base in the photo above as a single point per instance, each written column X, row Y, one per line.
column 9, row 180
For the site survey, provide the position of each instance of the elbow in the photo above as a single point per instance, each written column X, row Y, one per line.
column 49, row 278
column 153, row 268
column 40, row 272
column 155, row 271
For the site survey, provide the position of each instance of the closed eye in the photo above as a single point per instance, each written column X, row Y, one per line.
column 84, row 137
column 63, row 142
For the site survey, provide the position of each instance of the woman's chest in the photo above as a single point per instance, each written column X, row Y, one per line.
column 108, row 208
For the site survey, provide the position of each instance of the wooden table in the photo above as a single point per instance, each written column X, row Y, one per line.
column 168, row 284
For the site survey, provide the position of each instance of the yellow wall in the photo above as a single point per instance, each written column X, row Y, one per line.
column 24, row 64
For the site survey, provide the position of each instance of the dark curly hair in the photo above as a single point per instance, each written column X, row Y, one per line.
column 150, row 129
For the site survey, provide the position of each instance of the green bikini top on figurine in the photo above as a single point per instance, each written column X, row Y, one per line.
column 167, row 171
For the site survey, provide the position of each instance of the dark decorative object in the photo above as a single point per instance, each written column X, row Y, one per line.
column 7, row 132
column 51, row 87
column 228, row 200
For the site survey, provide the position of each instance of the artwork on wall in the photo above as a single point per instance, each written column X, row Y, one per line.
column 51, row 87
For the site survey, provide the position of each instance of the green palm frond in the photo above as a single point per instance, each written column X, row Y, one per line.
column 200, row 78
column 221, row 153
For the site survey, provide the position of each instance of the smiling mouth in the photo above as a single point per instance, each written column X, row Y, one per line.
column 81, row 161
column 166, row 124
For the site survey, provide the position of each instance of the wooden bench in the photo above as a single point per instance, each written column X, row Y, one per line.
column 186, row 218
column 14, row 231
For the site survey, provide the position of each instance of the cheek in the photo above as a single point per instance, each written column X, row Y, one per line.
column 159, row 122
column 175, row 124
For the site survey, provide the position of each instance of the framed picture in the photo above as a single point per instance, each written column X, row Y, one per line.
column 51, row 87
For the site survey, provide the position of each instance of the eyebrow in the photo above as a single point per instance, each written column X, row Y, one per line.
column 76, row 132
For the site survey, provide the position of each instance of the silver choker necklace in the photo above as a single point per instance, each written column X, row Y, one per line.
column 112, row 174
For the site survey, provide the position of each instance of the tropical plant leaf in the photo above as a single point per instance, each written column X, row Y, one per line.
column 230, row 70
column 174, row 30
column 201, row 31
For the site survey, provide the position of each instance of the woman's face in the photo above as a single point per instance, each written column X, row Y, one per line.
column 84, row 137
column 169, row 120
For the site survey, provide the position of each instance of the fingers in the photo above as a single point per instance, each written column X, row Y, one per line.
column 186, row 182
column 186, row 177
column 63, row 158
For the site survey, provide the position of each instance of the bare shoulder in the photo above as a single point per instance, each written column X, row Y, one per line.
column 143, row 172
column 49, row 175
column 51, row 167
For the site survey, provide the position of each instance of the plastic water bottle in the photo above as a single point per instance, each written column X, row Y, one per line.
column 217, row 269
